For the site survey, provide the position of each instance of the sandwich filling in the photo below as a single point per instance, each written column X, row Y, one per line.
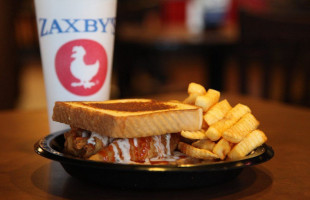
column 158, row 149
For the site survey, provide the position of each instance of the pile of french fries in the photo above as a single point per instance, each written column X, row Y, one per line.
column 227, row 132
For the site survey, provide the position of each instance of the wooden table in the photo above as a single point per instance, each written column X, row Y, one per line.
column 25, row 175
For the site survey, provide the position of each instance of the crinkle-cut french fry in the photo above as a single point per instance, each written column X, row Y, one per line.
column 203, row 102
column 194, row 135
column 208, row 100
column 204, row 144
column 195, row 152
column 191, row 99
column 217, row 112
column 239, row 130
column 237, row 111
column 195, row 88
column 222, row 148
column 248, row 144
column 204, row 125
column 214, row 132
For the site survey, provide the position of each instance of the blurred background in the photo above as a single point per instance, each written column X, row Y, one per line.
column 256, row 48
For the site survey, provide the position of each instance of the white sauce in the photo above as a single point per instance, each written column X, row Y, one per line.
column 135, row 142
column 169, row 158
column 160, row 148
column 116, row 154
column 164, row 151
column 84, row 134
column 168, row 137
column 124, row 146
column 91, row 140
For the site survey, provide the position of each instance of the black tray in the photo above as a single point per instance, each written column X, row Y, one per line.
column 148, row 176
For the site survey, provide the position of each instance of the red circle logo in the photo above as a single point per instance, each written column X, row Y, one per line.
column 81, row 66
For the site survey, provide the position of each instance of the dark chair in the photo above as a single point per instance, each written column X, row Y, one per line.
column 9, row 60
column 276, row 38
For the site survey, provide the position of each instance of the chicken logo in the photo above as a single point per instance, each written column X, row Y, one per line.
column 80, row 70
column 81, row 66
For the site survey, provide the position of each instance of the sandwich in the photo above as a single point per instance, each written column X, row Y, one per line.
column 201, row 129
column 126, row 130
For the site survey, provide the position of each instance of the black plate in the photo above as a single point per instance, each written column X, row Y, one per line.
column 148, row 176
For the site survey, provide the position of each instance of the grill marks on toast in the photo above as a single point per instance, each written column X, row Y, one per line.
column 132, row 106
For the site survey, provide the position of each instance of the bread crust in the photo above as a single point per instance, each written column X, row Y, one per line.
column 119, row 124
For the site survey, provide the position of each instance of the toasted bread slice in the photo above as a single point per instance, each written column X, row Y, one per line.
column 129, row 118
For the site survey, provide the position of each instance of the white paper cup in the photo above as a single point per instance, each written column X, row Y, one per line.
column 76, row 43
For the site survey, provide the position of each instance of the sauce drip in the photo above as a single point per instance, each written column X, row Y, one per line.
column 137, row 150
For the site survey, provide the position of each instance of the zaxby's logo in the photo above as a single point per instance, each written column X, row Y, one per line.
column 81, row 66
